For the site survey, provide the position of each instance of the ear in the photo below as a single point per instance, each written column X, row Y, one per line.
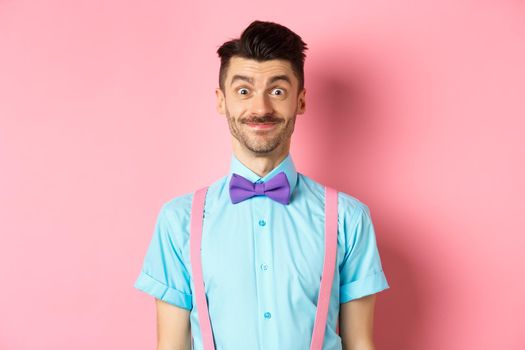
column 301, row 102
column 220, row 101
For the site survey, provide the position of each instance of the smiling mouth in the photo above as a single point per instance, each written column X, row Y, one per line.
column 261, row 126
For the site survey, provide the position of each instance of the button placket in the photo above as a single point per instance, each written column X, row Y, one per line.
column 264, row 258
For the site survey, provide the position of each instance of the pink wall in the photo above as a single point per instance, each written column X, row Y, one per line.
column 415, row 108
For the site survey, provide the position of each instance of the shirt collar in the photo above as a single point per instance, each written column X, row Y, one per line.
column 286, row 165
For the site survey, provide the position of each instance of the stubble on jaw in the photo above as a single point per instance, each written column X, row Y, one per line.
column 262, row 144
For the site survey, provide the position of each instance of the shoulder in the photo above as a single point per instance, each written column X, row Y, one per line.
column 348, row 205
column 174, row 217
column 178, row 208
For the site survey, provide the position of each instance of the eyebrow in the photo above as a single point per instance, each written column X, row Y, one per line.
column 273, row 79
column 280, row 77
column 241, row 77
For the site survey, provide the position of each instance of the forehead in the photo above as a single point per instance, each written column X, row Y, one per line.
column 259, row 70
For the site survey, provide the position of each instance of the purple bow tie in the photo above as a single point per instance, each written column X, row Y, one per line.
column 277, row 188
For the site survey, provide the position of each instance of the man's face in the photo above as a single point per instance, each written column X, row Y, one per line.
column 260, row 101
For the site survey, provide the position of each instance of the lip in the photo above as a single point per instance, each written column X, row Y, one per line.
column 261, row 126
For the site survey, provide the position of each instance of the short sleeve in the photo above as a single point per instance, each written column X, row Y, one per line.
column 361, row 273
column 164, row 274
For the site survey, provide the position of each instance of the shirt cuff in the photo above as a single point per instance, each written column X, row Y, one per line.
column 363, row 287
column 159, row 290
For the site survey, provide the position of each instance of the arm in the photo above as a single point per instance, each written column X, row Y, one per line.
column 173, row 327
column 356, row 321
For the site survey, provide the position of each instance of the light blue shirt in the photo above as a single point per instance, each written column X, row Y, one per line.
column 262, row 262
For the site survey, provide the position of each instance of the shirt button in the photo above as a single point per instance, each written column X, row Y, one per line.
column 267, row 315
column 264, row 267
column 262, row 222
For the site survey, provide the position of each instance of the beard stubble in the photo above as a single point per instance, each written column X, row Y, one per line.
column 264, row 141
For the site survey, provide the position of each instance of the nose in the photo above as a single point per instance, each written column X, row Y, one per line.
column 261, row 105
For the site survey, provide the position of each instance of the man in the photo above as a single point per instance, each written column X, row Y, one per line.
column 262, row 258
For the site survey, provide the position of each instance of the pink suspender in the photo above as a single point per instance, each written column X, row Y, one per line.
column 325, row 289
column 323, row 301
column 197, row 215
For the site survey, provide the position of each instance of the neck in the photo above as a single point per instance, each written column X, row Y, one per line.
column 260, row 163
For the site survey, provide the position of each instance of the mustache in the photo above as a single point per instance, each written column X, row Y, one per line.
column 263, row 119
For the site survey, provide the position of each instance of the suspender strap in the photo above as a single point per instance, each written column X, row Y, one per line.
column 197, row 216
column 323, row 300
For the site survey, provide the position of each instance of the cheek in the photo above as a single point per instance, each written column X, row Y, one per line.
column 286, row 107
column 235, row 109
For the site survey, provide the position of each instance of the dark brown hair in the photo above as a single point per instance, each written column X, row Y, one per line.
column 264, row 41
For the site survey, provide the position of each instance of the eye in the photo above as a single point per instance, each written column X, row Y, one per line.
column 243, row 91
column 278, row 91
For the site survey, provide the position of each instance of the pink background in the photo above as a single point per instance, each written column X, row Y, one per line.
column 107, row 110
